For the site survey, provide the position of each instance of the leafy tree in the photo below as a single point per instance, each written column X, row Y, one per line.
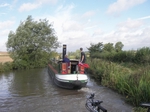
column 95, row 48
column 32, row 44
column 108, row 47
column 118, row 46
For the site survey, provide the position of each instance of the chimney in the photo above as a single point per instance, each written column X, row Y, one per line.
column 64, row 51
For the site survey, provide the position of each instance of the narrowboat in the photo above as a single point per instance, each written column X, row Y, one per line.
column 69, row 77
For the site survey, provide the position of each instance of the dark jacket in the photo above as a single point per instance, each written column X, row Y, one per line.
column 66, row 60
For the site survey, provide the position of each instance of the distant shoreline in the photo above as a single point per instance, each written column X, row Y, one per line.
column 4, row 57
column 4, row 53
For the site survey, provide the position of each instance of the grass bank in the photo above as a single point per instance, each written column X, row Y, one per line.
column 129, row 79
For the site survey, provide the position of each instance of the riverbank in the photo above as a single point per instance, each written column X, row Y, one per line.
column 128, row 79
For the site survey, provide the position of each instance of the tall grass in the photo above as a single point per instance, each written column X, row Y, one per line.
column 133, row 83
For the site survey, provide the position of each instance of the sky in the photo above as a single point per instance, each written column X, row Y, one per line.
column 80, row 23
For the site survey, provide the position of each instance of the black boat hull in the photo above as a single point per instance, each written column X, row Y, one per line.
column 73, row 82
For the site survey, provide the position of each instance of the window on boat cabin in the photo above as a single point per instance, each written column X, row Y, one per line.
column 74, row 66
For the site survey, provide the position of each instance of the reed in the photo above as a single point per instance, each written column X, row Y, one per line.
column 132, row 82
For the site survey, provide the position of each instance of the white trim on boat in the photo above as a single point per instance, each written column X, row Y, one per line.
column 71, row 77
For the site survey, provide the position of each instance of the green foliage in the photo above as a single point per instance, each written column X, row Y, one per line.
column 20, row 64
column 118, row 46
column 140, row 109
column 106, row 51
column 133, row 83
column 32, row 44
column 124, row 56
column 143, row 55
column 96, row 69
column 115, row 54
column 95, row 48
column 108, row 47
column 7, row 66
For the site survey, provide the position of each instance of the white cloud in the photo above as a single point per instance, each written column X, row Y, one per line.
column 146, row 17
column 2, row 46
column 68, row 28
column 4, row 5
column 6, row 24
column 72, row 26
column 29, row 6
column 90, row 27
column 4, row 33
column 98, row 33
column 64, row 9
column 122, row 5
column 5, row 28
column 78, row 34
column 35, row 5
column 138, row 39
column 130, row 25
column 89, row 14
column 133, row 34
column 134, row 39
column 2, row 13
column 47, row 1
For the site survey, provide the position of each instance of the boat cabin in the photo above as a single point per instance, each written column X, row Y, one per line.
column 72, row 68
column 69, row 68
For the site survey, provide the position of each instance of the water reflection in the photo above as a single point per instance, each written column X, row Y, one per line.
column 23, row 83
column 27, row 83
column 5, row 82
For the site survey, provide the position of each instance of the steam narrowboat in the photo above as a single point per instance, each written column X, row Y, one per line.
column 72, row 77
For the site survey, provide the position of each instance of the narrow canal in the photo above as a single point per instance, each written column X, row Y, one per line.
column 33, row 91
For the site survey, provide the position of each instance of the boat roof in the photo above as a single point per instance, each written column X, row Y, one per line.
column 72, row 60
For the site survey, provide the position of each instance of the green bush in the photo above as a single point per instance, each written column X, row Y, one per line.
column 124, row 56
column 7, row 66
column 142, row 55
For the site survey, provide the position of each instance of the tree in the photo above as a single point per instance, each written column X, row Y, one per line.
column 32, row 43
column 95, row 48
column 108, row 47
column 118, row 46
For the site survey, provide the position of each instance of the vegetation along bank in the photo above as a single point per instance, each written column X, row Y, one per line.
column 127, row 72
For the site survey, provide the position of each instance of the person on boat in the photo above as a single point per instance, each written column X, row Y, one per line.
column 66, row 60
column 82, row 58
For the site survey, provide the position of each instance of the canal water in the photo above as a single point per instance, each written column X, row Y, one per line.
column 33, row 91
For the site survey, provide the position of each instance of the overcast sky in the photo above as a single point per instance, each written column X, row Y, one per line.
column 78, row 23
